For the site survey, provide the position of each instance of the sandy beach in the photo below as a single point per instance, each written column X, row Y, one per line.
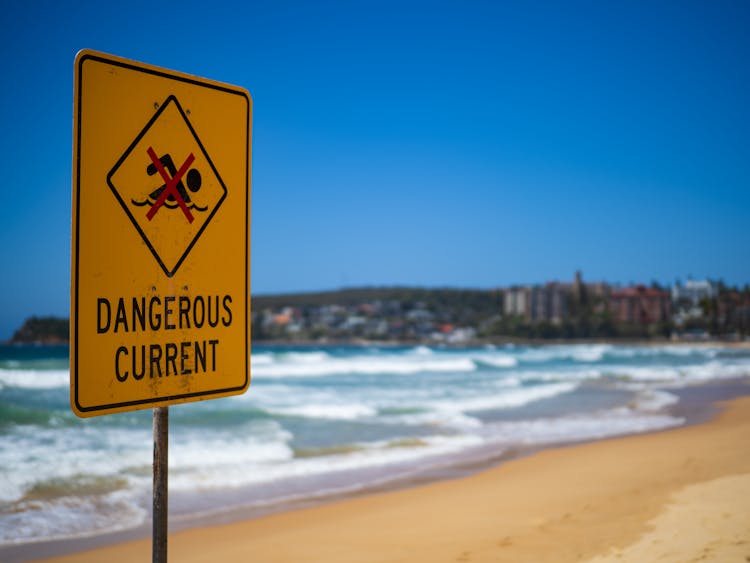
column 678, row 495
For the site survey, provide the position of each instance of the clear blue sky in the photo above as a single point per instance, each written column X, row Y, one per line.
column 471, row 144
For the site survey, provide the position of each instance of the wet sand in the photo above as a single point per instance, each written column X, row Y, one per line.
column 676, row 495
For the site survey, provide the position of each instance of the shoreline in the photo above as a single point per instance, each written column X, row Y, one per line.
column 310, row 512
column 504, row 341
column 477, row 343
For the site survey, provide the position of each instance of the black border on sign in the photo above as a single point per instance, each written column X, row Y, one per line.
column 171, row 99
column 163, row 73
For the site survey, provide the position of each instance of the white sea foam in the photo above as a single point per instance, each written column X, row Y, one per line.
column 680, row 350
column 717, row 370
column 70, row 517
column 26, row 453
column 260, row 360
column 328, row 411
column 594, row 353
column 366, row 455
column 197, row 465
column 653, row 400
column 34, row 379
column 507, row 381
column 207, row 466
column 580, row 427
column 320, row 403
column 497, row 360
column 588, row 353
column 454, row 411
column 386, row 365
column 591, row 353
column 569, row 375
column 506, row 399
column 422, row 351
column 423, row 360
column 680, row 374
column 304, row 357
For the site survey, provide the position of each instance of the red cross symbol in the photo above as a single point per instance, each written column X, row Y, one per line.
column 170, row 187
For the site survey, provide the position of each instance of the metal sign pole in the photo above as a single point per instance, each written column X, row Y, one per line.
column 161, row 467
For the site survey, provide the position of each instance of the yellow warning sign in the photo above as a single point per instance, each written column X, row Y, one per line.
column 160, row 293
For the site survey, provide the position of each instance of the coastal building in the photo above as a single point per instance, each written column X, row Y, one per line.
column 733, row 312
column 536, row 304
column 516, row 302
column 578, row 289
column 695, row 291
column 640, row 305
column 690, row 300
column 551, row 303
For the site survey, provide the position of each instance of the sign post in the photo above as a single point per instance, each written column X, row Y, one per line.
column 160, row 276
column 161, row 489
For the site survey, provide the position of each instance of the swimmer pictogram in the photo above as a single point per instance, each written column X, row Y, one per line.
column 172, row 194
column 168, row 185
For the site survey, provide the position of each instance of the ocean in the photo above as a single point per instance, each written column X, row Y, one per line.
column 320, row 422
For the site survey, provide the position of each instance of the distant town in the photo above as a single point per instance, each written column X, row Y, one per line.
column 693, row 310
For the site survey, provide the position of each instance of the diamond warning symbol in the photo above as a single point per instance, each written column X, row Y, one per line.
column 168, row 185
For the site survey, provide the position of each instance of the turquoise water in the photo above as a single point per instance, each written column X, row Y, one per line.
column 321, row 421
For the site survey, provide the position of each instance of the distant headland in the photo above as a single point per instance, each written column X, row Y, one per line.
column 42, row 330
